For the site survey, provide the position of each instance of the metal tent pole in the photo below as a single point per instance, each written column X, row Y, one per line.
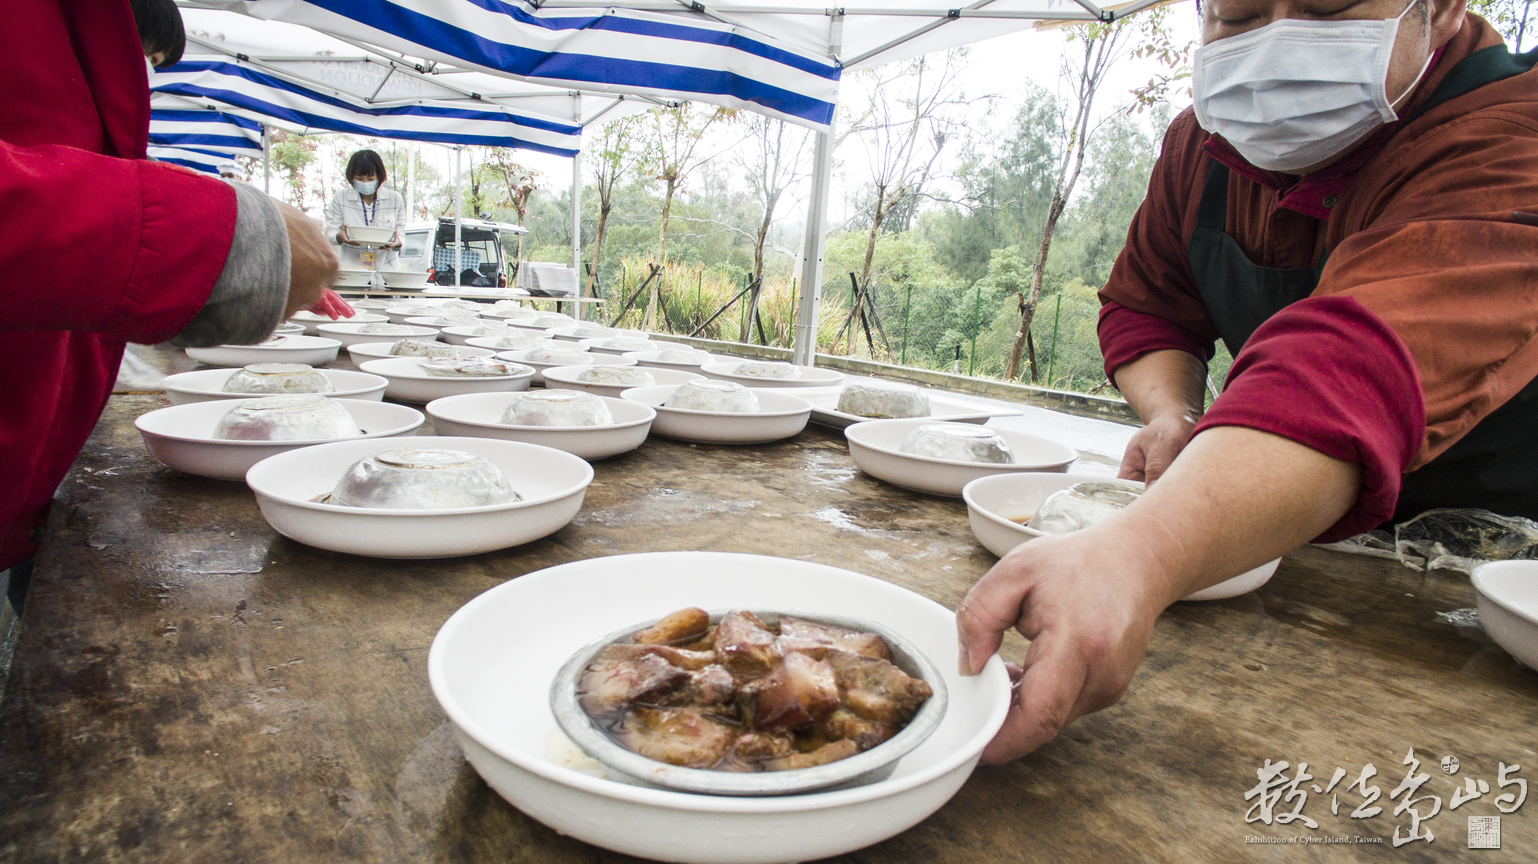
column 576, row 208
column 804, row 349
column 459, row 208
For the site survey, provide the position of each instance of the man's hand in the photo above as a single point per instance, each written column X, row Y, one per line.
column 1156, row 445
column 313, row 266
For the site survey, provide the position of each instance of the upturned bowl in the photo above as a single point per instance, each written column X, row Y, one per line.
column 409, row 382
column 808, row 376
column 410, row 308
column 875, row 446
column 521, row 340
column 441, row 321
column 506, row 644
column 943, row 407
column 551, row 483
column 462, row 335
column 520, row 356
column 205, row 385
column 1000, row 504
column 571, row 377
column 310, row 350
column 620, row 345
column 353, row 334
column 312, row 320
column 480, row 415
column 366, row 351
column 692, row 363
column 781, row 416
column 181, row 437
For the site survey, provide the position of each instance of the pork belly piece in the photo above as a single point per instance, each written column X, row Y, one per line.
column 798, row 692
column 613, row 681
column 706, row 688
column 817, row 639
column 845, row 725
column 758, row 746
column 677, row 736
column 680, row 657
column 877, row 690
column 685, row 624
column 745, row 645
column 821, row 756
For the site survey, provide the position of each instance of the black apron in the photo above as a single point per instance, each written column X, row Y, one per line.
column 1493, row 467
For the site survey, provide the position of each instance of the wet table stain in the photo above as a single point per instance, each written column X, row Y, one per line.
column 190, row 686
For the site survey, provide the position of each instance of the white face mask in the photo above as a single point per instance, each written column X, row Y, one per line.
column 1294, row 93
column 365, row 188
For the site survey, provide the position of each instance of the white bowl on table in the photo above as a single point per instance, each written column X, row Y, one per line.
column 182, row 436
column 528, row 338
column 942, row 407
column 601, row 345
column 590, row 330
column 1507, row 596
column 463, row 335
column 435, row 321
column 410, row 309
column 367, row 304
column 1000, row 504
column 652, row 358
column 492, row 657
column 783, row 416
column 313, row 320
column 551, row 483
column 875, row 446
column 206, row 385
column 409, row 382
column 568, row 377
column 366, row 351
column 288, row 328
column 479, row 415
column 310, row 350
column 808, row 376
column 371, row 234
column 404, row 280
column 353, row 278
column 350, row 334
column 517, row 356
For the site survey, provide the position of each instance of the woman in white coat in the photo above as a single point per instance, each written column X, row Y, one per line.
column 366, row 202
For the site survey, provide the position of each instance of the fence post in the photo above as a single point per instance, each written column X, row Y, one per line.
column 977, row 306
column 1052, row 358
column 907, row 305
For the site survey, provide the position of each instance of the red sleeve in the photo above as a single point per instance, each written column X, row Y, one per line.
column 122, row 247
column 1126, row 335
column 1329, row 374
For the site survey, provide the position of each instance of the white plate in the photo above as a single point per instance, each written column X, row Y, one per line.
column 429, row 319
column 410, row 383
column 597, row 345
column 182, row 436
column 649, row 358
column 873, row 444
column 479, row 415
column 566, row 376
column 311, row 320
column 366, row 351
column 942, row 406
column 403, row 280
column 492, row 663
column 310, row 350
column 998, row 504
column 463, row 335
column 811, row 376
column 205, row 385
column 516, row 356
column 399, row 314
column 552, row 484
column 490, row 342
column 1507, row 596
column 350, row 334
column 783, row 416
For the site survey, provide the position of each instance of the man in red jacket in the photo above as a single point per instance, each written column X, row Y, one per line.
column 101, row 247
column 1352, row 206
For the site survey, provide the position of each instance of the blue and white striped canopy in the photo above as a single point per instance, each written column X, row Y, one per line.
column 667, row 55
column 205, row 131
column 238, row 86
column 208, row 161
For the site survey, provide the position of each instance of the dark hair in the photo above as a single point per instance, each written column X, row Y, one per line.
column 160, row 29
column 364, row 162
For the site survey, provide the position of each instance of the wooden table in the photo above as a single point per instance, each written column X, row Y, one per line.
column 189, row 686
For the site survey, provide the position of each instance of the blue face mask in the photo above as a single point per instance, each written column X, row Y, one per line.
column 365, row 188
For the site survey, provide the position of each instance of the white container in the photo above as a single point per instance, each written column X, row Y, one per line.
column 1507, row 596
column 781, row 416
column 654, row 359
column 811, row 376
column 353, row 279
column 492, row 657
column 371, row 234
column 997, row 506
column 551, row 483
column 404, row 280
column 205, row 385
column 874, row 446
column 409, row 309
column 942, row 407
column 310, row 350
column 182, row 436
column 409, row 382
column 312, row 320
column 480, row 415
column 352, row 334
column 569, row 376
column 367, row 351
column 516, row 356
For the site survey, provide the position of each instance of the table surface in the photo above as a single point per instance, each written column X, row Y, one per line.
column 190, row 686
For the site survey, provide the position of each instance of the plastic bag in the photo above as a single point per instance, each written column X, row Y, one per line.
column 1449, row 539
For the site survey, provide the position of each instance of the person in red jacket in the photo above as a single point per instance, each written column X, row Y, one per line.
column 100, row 246
column 1352, row 206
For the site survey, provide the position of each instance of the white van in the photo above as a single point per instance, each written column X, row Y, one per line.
column 428, row 247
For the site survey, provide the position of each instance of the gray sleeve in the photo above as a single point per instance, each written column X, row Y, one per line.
column 248, row 300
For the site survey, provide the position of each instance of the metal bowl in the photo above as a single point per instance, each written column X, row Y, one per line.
column 266, row 379
column 871, row 766
column 423, row 478
column 300, row 417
